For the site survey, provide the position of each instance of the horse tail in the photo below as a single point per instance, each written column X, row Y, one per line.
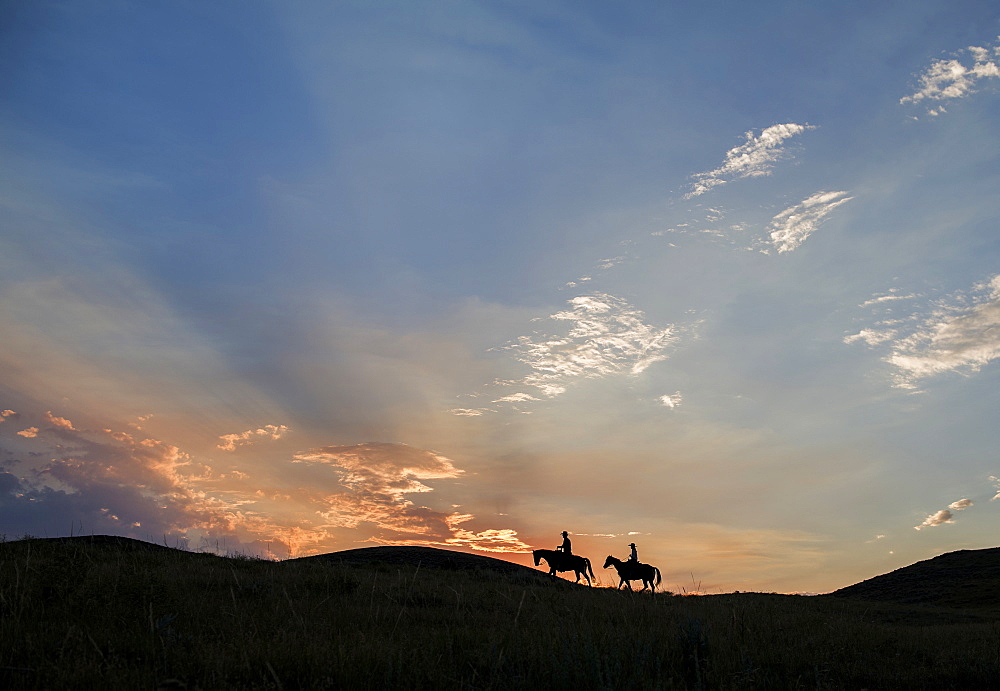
column 589, row 567
column 657, row 575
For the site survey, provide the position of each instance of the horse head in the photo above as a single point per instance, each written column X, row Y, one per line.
column 609, row 562
column 537, row 554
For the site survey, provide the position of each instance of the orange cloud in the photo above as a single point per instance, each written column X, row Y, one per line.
column 231, row 441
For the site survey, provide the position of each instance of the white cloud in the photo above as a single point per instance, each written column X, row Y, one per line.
column 671, row 400
column 516, row 398
column 870, row 336
column 962, row 337
column 936, row 519
column 890, row 297
column 996, row 484
column 791, row 227
column 960, row 505
column 754, row 158
column 231, row 441
column 948, row 79
column 606, row 336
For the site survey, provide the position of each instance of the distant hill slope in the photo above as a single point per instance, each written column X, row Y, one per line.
column 967, row 579
column 432, row 557
column 425, row 557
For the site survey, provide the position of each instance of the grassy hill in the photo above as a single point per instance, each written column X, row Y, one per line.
column 967, row 579
column 112, row 612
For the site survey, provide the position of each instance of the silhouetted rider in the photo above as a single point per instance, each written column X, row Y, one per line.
column 634, row 557
column 566, row 547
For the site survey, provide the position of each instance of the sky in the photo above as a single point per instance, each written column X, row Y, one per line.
column 721, row 279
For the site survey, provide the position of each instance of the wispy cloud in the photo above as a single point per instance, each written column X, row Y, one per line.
column 753, row 158
column 606, row 336
column 961, row 504
column 870, row 336
column 791, row 227
column 956, row 77
column 890, row 296
column 671, row 400
column 231, row 441
column 960, row 333
column 957, row 337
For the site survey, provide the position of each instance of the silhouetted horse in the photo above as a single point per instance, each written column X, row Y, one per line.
column 628, row 571
column 558, row 561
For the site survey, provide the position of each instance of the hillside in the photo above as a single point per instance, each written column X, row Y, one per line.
column 425, row 557
column 967, row 579
column 105, row 612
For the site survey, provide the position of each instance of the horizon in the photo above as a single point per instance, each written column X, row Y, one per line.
column 721, row 280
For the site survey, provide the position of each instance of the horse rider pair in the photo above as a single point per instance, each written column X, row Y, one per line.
column 567, row 548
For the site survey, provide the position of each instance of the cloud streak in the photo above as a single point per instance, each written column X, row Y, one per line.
column 754, row 158
column 789, row 229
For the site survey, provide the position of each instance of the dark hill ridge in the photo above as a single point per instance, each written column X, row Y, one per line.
column 424, row 557
column 966, row 579
column 432, row 557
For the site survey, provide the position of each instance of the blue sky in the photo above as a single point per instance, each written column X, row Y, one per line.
column 720, row 278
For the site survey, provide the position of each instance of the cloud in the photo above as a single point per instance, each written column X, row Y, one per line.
column 115, row 483
column 791, row 227
column 958, row 337
column 606, row 336
column 890, row 297
column 945, row 515
column 59, row 422
column 231, row 441
column 950, row 79
column 118, row 483
column 4, row 414
column 468, row 412
column 504, row 540
column 30, row 432
column 936, row 519
column 517, row 398
column 376, row 477
column 870, row 336
column 671, row 400
column 754, row 158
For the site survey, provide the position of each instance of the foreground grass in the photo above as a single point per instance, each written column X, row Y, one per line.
column 78, row 616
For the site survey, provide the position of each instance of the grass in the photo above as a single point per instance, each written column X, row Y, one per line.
column 76, row 615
